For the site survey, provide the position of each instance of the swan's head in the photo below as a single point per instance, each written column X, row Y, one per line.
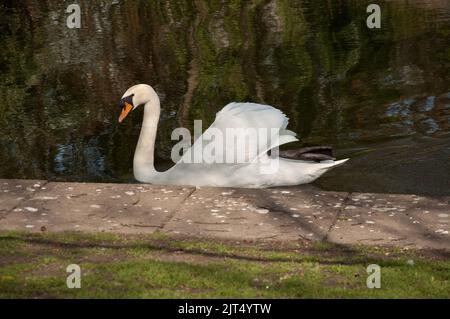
column 135, row 96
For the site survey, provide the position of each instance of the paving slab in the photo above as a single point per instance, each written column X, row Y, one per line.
column 396, row 220
column 240, row 214
column 14, row 191
column 121, row 208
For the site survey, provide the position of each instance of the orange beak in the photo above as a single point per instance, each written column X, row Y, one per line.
column 127, row 108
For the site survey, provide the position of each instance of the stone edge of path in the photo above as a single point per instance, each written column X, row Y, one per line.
column 334, row 214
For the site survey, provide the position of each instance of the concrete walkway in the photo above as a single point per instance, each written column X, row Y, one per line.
column 285, row 214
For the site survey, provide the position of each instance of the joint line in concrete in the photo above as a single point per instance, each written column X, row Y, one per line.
column 338, row 215
column 175, row 211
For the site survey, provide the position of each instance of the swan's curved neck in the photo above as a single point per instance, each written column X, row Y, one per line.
column 143, row 162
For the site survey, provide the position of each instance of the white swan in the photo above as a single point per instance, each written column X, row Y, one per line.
column 252, row 174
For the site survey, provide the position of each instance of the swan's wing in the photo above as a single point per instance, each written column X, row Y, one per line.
column 250, row 115
column 247, row 129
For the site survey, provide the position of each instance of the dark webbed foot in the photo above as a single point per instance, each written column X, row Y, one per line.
column 313, row 153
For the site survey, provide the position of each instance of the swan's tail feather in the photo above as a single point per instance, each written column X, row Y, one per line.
column 327, row 165
column 318, row 169
column 340, row 162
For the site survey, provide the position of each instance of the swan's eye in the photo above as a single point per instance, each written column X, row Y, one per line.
column 127, row 99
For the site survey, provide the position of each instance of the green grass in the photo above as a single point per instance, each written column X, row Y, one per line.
column 158, row 266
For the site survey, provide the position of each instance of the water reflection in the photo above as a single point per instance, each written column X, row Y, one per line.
column 339, row 82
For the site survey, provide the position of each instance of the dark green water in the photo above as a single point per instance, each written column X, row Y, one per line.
column 358, row 89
